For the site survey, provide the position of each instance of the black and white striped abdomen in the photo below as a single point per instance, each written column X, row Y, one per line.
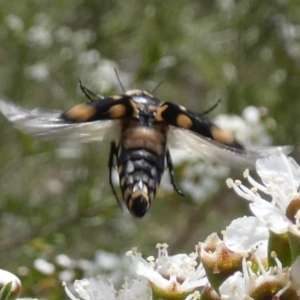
column 140, row 160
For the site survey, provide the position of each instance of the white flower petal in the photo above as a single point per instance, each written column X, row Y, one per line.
column 152, row 276
column 43, row 266
column 279, row 166
column 281, row 178
column 7, row 277
column 94, row 289
column 245, row 233
column 275, row 280
column 139, row 289
column 166, row 272
column 233, row 287
column 270, row 216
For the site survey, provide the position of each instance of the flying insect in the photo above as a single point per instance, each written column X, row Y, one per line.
column 141, row 129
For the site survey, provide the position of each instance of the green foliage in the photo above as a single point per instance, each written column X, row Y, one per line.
column 5, row 292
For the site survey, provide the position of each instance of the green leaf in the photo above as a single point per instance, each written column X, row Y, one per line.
column 5, row 292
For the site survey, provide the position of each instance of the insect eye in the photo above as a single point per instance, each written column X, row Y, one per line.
column 139, row 206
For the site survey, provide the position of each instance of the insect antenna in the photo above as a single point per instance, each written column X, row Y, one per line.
column 88, row 93
column 211, row 108
column 157, row 86
column 119, row 80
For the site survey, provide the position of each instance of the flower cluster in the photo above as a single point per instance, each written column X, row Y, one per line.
column 175, row 276
column 249, row 263
column 281, row 179
column 258, row 257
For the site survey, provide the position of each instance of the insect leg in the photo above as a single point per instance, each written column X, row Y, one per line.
column 110, row 167
column 171, row 172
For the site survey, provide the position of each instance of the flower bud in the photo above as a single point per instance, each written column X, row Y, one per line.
column 218, row 261
column 9, row 278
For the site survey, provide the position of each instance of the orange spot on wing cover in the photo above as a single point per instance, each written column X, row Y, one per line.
column 81, row 113
column 222, row 136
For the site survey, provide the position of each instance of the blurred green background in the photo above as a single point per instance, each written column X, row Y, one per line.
column 55, row 198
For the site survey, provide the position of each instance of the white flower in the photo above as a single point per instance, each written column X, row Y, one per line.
column 39, row 36
column 38, row 71
column 107, row 260
column 92, row 289
column 243, row 234
column 281, row 178
column 271, row 283
column 139, row 289
column 233, row 288
column 64, row 261
column 7, row 277
column 43, row 266
column 66, row 275
column 97, row 289
column 109, row 265
column 201, row 179
column 176, row 273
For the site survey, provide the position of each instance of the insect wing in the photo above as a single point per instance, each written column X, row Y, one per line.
column 213, row 151
column 48, row 125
